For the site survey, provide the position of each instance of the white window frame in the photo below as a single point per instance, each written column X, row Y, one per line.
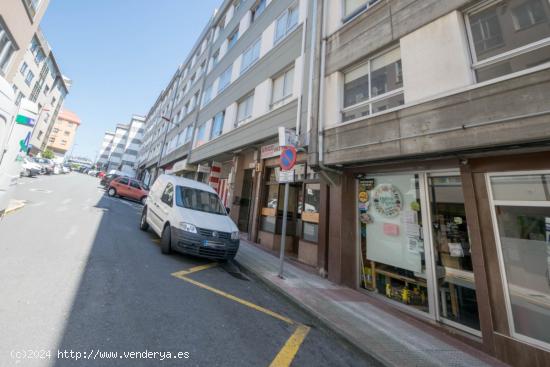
column 250, row 49
column 360, row 10
column 288, row 29
column 234, row 33
column 228, row 71
column 212, row 136
column 30, row 76
column 276, row 103
column 254, row 10
column 248, row 117
column 476, row 64
column 504, row 281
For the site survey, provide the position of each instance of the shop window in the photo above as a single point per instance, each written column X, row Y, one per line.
column 310, row 212
column 509, row 36
column 373, row 86
column 521, row 210
column 392, row 247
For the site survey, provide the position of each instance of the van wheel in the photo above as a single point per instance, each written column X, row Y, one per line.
column 111, row 192
column 166, row 240
column 143, row 225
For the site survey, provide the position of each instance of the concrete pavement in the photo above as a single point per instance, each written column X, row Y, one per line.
column 79, row 277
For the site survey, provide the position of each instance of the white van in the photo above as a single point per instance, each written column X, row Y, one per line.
column 189, row 217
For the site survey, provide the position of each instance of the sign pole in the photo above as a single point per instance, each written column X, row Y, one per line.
column 283, row 232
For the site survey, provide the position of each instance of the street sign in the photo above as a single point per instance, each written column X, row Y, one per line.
column 287, row 137
column 288, row 158
column 286, row 176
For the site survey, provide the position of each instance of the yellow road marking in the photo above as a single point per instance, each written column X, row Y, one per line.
column 179, row 274
column 288, row 352
column 233, row 298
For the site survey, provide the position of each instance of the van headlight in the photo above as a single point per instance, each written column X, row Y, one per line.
column 188, row 227
column 235, row 235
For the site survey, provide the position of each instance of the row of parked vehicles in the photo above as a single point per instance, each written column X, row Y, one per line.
column 187, row 215
column 33, row 166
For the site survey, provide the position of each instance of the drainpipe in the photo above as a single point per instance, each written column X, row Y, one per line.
column 304, row 37
column 321, row 114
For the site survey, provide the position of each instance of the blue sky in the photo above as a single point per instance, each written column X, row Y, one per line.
column 119, row 54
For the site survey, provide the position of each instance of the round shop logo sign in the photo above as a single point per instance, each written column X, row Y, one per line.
column 387, row 200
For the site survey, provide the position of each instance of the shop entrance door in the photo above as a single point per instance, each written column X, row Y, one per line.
column 414, row 246
column 246, row 201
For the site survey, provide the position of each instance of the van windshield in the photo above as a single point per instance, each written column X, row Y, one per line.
column 196, row 199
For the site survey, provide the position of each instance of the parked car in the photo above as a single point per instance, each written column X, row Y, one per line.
column 47, row 165
column 105, row 180
column 128, row 188
column 92, row 172
column 189, row 217
column 30, row 168
column 100, row 174
column 57, row 169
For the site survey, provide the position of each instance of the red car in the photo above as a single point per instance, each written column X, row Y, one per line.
column 128, row 188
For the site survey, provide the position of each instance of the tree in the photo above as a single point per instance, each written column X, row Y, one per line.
column 48, row 154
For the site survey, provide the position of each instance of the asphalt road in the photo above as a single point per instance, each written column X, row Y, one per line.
column 77, row 275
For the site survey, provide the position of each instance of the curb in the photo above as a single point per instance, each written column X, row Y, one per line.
column 14, row 208
column 332, row 327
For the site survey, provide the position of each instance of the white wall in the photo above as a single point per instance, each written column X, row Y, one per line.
column 435, row 58
column 262, row 95
column 332, row 100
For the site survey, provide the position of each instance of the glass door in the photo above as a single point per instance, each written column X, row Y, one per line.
column 452, row 256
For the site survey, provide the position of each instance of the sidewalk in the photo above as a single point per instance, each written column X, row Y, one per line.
column 349, row 313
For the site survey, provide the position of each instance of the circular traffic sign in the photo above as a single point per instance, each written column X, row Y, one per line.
column 288, row 158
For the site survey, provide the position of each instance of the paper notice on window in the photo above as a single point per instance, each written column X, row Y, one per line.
column 409, row 217
column 456, row 249
column 412, row 230
column 415, row 245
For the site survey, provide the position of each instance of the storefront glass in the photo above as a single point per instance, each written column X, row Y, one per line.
column 452, row 251
column 392, row 245
column 521, row 211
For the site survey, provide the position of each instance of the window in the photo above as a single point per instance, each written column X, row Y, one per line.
column 354, row 7
column 286, row 22
column 521, row 213
column 168, row 195
column 215, row 58
column 244, row 109
column 67, row 132
column 236, row 5
column 232, row 39
column 282, row 86
column 250, row 56
column 188, row 134
column 24, row 67
column 225, row 79
column 32, row 6
column 20, row 96
column 201, row 135
column 135, row 184
column 510, row 36
column 46, row 90
column 196, row 199
column 217, row 125
column 257, row 10
column 207, row 95
column 39, row 56
column 6, row 49
column 374, row 86
column 29, row 77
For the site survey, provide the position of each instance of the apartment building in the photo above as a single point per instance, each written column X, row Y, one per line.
column 105, row 150
column 133, row 142
column 247, row 75
column 61, row 139
column 39, row 80
column 119, row 150
column 432, row 142
column 19, row 21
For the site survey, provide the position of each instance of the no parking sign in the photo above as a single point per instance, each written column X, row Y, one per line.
column 288, row 158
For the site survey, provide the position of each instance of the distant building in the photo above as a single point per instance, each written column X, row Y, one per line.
column 63, row 133
column 119, row 150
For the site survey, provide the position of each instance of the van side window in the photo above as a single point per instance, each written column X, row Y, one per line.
column 168, row 194
column 123, row 181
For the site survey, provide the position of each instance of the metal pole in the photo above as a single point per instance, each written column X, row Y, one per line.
column 283, row 232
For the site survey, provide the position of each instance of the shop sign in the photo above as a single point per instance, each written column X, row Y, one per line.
column 203, row 168
column 286, row 176
column 271, row 150
column 287, row 137
column 387, row 200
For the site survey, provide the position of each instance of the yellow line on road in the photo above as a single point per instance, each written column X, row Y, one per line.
column 288, row 352
column 236, row 299
column 179, row 274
